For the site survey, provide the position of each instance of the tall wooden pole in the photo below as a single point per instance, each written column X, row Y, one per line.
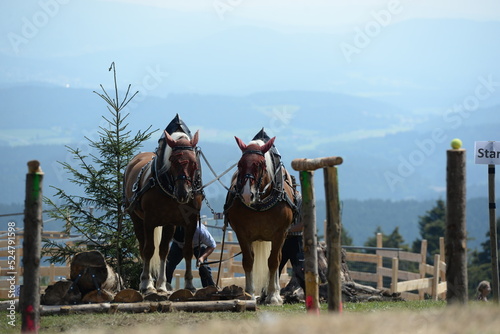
column 310, row 241
column 333, row 239
column 493, row 232
column 306, row 168
column 456, row 235
column 33, row 224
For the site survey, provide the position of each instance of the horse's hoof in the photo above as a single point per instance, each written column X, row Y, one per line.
column 148, row 291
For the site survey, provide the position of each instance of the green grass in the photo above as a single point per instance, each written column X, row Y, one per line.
column 123, row 321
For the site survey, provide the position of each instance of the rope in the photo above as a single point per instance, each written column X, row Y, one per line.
column 217, row 177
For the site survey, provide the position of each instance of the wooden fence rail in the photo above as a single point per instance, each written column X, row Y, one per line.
column 430, row 280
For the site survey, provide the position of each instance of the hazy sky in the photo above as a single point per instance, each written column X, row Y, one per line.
column 328, row 13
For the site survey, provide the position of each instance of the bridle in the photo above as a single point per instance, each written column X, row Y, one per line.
column 261, row 166
column 180, row 149
column 164, row 178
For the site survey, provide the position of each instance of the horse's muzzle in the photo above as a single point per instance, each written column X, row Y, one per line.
column 183, row 192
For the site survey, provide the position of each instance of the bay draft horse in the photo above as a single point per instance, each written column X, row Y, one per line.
column 160, row 193
column 260, row 207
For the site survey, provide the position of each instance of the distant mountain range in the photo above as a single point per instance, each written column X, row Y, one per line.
column 390, row 112
column 388, row 153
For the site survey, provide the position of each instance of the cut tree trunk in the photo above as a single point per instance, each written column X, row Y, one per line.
column 91, row 272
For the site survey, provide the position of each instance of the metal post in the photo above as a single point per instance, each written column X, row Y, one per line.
column 493, row 232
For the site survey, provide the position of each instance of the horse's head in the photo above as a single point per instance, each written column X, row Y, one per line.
column 254, row 169
column 183, row 164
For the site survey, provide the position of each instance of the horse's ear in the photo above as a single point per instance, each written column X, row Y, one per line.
column 194, row 141
column 240, row 143
column 170, row 141
column 264, row 148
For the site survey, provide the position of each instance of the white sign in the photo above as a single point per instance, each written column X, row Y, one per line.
column 487, row 152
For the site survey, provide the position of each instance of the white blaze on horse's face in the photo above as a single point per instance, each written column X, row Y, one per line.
column 251, row 167
column 182, row 164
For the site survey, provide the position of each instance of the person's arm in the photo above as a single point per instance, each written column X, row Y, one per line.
column 209, row 241
column 204, row 256
column 297, row 227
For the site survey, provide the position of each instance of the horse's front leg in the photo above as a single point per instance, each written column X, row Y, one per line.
column 188, row 276
column 146, row 285
column 166, row 236
column 247, row 262
column 273, row 287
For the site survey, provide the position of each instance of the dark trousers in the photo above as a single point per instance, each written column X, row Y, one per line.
column 175, row 256
column 293, row 250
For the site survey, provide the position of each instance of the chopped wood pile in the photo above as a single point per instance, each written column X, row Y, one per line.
column 94, row 287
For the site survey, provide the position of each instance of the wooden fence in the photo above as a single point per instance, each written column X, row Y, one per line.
column 429, row 280
column 11, row 271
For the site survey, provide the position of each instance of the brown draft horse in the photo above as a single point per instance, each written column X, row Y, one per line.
column 260, row 207
column 160, row 191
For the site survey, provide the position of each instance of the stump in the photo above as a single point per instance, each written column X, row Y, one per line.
column 234, row 292
column 61, row 293
column 91, row 272
column 98, row 296
column 128, row 296
column 155, row 297
column 181, row 295
column 207, row 293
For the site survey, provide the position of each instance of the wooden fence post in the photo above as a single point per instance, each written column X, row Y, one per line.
column 33, row 224
column 380, row 277
column 333, row 236
column 310, row 241
column 422, row 265
column 435, row 282
column 306, row 168
column 395, row 274
column 456, row 235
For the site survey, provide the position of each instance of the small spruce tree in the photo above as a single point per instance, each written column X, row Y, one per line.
column 98, row 216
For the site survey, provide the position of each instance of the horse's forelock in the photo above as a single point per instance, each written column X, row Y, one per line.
column 254, row 145
column 168, row 150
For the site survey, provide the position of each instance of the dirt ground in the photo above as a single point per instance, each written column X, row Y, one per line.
column 471, row 319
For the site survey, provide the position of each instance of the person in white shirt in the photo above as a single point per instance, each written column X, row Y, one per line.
column 203, row 245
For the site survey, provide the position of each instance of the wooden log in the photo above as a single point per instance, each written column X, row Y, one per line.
column 215, row 306
column 207, row 293
column 156, row 297
column 146, row 307
column 333, row 239
column 143, row 307
column 98, row 296
column 33, row 225
column 313, row 164
column 456, row 234
column 128, row 296
column 233, row 292
column 91, row 272
column 85, row 308
column 181, row 295
column 308, row 216
column 61, row 293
